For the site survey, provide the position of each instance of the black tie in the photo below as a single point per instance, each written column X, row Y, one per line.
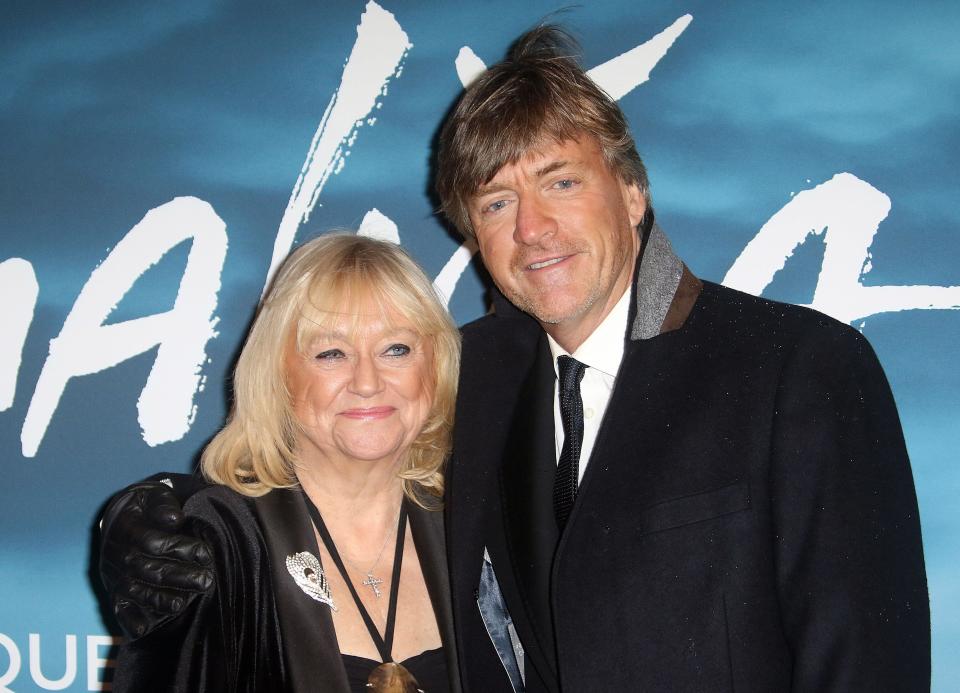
column 571, row 415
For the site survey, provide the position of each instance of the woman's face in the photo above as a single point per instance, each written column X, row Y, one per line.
column 362, row 390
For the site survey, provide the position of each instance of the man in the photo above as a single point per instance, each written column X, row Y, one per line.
column 657, row 483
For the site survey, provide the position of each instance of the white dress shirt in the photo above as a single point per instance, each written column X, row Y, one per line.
column 602, row 353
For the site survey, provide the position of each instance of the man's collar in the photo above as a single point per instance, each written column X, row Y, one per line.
column 603, row 349
column 657, row 280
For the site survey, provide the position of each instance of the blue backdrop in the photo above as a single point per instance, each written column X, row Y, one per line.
column 158, row 157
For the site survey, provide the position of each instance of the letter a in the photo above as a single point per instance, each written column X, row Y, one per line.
column 86, row 345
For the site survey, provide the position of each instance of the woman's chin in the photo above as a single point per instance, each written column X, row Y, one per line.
column 385, row 451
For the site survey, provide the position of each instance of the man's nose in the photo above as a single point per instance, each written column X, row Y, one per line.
column 366, row 380
column 534, row 221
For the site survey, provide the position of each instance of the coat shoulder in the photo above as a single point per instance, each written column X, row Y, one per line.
column 514, row 327
column 763, row 323
column 495, row 346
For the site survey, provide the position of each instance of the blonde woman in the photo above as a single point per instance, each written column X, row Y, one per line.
column 323, row 513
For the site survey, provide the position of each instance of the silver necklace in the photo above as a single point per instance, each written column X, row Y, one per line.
column 370, row 580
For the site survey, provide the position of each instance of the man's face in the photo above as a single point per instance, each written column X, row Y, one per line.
column 557, row 232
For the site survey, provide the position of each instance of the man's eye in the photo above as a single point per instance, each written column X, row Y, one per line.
column 565, row 184
column 329, row 355
column 397, row 350
column 495, row 206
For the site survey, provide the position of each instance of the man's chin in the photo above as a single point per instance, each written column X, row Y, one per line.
column 555, row 315
column 551, row 310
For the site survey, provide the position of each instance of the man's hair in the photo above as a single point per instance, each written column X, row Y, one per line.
column 539, row 94
column 322, row 282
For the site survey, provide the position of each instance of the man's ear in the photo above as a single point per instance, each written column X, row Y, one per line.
column 636, row 205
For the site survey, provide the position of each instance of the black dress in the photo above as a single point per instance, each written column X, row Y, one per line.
column 429, row 668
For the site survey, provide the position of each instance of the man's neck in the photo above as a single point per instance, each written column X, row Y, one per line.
column 603, row 348
column 570, row 334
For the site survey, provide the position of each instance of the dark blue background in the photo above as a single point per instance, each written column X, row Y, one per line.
column 111, row 109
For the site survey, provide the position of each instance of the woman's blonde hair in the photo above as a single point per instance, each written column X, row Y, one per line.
column 318, row 284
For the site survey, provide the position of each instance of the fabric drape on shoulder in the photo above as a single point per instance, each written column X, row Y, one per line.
column 230, row 640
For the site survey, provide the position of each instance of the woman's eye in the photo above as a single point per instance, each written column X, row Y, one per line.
column 397, row 350
column 329, row 355
column 565, row 184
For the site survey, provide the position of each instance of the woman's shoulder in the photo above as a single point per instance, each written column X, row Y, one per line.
column 221, row 515
column 227, row 511
column 218, row 499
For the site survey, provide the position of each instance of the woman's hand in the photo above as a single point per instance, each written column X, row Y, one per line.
column 151, row 569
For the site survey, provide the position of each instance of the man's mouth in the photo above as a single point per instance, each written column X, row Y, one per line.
column 546, row 263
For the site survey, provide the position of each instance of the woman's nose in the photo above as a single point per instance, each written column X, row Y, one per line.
column 366, row 379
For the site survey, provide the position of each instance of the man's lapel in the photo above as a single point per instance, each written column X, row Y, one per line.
column 664, row 294
column 527, row 474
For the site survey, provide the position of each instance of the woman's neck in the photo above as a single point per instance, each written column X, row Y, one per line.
column 359, row 501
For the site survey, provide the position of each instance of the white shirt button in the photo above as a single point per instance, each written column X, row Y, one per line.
column 588, row 412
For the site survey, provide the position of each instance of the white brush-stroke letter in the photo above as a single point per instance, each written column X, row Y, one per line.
column 447, row 280
column 624, row 73
column 378, row 225
column 376, row 57
column 618, row 76
column 87, row 345
column 849, row 211
column 18, row 286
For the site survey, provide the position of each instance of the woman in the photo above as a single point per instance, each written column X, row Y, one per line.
column 331, row 573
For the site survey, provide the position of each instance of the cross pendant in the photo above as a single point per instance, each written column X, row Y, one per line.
column 372, row 582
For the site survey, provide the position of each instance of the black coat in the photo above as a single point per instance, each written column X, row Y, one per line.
column 258, row 631
column 747, row 520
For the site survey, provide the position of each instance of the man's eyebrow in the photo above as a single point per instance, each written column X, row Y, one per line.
column 545, row 170
column 550, row 168
column 489, row 188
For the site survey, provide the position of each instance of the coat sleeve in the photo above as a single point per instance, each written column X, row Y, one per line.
column 849, row 559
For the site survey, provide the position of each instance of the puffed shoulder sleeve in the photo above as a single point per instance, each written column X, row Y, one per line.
column 205, row 649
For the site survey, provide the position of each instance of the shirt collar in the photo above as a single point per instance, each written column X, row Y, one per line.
column 603, row 349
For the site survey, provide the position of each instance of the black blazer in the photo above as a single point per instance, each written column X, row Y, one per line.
column 259, row 631
column 747, row 520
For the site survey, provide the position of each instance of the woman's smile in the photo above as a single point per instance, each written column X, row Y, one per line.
column 368, row 412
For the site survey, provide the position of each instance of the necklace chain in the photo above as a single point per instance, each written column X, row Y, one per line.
column 371, row 580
